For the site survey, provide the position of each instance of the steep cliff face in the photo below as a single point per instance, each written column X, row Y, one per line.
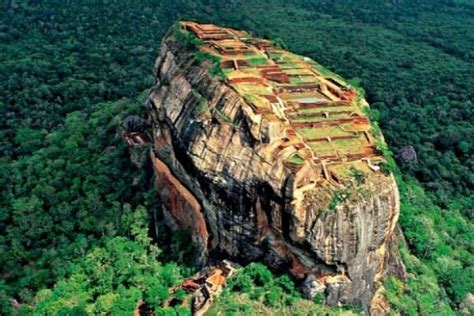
column 265, row 156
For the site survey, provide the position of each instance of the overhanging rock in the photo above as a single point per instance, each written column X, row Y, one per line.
column 265, row 155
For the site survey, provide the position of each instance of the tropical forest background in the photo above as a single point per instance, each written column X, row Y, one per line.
column 75, row 212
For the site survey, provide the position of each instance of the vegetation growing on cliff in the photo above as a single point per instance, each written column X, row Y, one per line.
column 66, row 178
column 215, row 70
column 189, row 42
column 202, row 106
column 255, row 290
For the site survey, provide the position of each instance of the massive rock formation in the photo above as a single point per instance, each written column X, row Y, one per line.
column 265, row 155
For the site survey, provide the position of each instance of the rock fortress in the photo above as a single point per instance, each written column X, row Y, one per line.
column 264, row 155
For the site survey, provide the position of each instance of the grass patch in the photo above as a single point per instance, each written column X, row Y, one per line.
column 287, row 65
column 318, row 118
column 298, row 71
column 328, row 109
column 353, row 145
column 275, row 55
column 327, row 131
column 295, row 159
column 322, row 149
column 304, row 79
column 296, row 80
column 257, row 61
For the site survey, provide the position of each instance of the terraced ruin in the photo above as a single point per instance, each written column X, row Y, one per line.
column 310, row 114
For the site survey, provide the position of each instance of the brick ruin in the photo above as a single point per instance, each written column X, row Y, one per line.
column 311, row 113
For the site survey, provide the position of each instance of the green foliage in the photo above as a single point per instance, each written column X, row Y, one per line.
column 29, row 140
column 372, row 114
column 358, row 175
column 280, row 43
column 257, row 279
column 182, row 248
column 58, row 58
column 319, row 298
column 356, row 83
column 202, row 106
column 66, row 178
column 389, row 165
column 441, row 239
column 215, row 70
column 341, row 196
column 255, row 290
column 65, row 196
column 273, row 297
column 203, row 56
column 185, row 39
column 420, row 296
column 6, row 307
column 113, row 278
